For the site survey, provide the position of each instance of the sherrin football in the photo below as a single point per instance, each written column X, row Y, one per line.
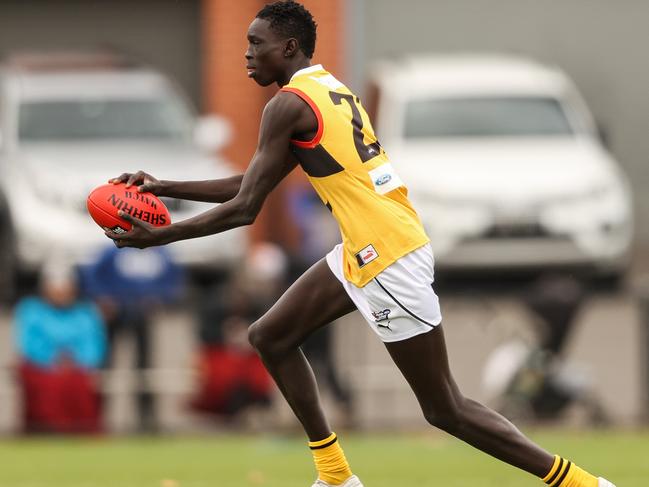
column 105, row 201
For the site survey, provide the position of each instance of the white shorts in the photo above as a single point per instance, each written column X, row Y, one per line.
column 400, row 302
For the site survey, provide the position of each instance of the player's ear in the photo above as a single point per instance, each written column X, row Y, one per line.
column 291, row 47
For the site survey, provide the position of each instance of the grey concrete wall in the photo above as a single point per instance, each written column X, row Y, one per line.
column 164, row 33
column 601, row 44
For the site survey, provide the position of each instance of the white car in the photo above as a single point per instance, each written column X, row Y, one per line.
column 69, row 124
column 504, row 164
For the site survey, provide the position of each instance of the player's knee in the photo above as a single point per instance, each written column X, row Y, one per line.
column 260, row 339
column 447, row 421
column 255, row 336
column 448, row 418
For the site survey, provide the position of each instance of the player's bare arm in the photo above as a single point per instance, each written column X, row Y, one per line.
column 210, row 191
column 284, row 117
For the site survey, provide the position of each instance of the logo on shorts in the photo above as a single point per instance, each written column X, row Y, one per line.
column 381, row 315
column 367, row 255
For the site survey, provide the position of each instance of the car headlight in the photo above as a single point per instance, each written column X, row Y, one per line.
column 604, row 206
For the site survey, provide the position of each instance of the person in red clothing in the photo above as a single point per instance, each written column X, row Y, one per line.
column 61, row 343
column 232, row 378
column 64, row 400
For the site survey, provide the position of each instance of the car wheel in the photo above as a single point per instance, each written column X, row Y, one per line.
column 611, row 281
column 7, row 264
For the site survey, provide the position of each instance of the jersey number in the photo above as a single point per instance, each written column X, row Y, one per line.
column 365, row 152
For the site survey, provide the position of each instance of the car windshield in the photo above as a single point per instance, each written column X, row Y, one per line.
column 104, row 119
column 485, row 117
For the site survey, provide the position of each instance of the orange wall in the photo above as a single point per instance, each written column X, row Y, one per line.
column 228, row 91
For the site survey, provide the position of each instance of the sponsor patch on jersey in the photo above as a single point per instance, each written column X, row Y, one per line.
column 367, row 255
column 385, row 178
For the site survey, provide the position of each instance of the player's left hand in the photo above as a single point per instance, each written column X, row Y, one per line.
column 141, row 235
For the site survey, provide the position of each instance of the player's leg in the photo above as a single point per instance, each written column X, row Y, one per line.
column 314, row 300
column 423, row 362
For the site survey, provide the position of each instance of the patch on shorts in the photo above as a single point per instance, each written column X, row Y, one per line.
column 367, row 255
column 381, row 315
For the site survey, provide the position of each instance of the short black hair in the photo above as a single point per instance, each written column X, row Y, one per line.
column 291, row 19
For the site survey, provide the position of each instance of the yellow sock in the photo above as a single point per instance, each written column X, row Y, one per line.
column 566, row 474
column 330, row 460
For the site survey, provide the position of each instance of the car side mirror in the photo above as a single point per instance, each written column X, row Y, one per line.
column 212, row 133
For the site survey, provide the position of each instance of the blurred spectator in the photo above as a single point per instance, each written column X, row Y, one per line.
column 129, row 285
column 556, row 300
column 264, row 275
column 319, row 232
column 61, row 342
column 231, row 375
column 540, row 383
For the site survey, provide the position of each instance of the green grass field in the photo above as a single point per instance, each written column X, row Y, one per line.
column 274, row 461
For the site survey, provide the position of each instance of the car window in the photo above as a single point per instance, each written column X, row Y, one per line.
column 103, row 119
column 485, row 117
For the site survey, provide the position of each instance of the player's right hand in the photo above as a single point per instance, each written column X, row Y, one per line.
column 145, row 182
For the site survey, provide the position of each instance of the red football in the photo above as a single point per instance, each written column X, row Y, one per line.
column 105, row 201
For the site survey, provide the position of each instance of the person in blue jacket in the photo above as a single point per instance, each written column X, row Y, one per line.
column 61, row 342
column 129, row 285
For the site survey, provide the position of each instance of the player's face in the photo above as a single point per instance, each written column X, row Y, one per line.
column 265, row 55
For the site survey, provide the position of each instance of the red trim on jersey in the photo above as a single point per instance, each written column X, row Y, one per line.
column 308, row 144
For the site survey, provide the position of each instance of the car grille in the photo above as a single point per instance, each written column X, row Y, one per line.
column 516, row 230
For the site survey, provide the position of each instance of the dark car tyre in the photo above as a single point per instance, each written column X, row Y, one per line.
column 7, row 262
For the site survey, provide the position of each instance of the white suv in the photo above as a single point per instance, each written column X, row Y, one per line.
column 504, row 164
column 70, row 122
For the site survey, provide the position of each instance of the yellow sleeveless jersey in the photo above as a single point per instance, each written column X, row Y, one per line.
column 354, row 178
